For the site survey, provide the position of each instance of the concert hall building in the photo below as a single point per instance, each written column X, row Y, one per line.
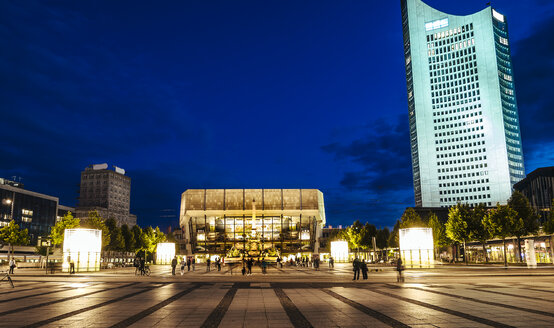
column 254, row 222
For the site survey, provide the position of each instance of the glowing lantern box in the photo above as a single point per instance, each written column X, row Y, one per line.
column 416, row 247
column 165, row 252
column 83, row 247
column 339, row 251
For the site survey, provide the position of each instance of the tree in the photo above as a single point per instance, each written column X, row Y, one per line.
column 477, row 230
column 457, row 226
column 440, row 239
column 95, row 221
column 128, row 238
column 12, row 235
column 382, row 239
column 140, row 241
column 393, row 238
column 57, row 231
column 410, row 219
column 367, row 233
column 501, row 222
column 149, row 237
column 354, row 234
column 520, row 204
column 117, row 243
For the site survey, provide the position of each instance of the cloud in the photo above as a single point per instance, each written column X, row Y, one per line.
column 381, row 157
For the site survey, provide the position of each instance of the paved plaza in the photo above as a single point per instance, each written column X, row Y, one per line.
column 289, row 297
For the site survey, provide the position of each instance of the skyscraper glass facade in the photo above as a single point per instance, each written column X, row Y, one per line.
column 464, row 125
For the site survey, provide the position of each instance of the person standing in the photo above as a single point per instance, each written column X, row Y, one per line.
column 331, row 262
column 183, row 266
column 12, row 265
column 193, row 263
column 173, row 265
column 249, row 264
column 142, row 266
column 399, row 268
column 71, row 265
column 356, row 269
column 188, row 263
column 264, row 266
column 364, row 269
column 208, row 262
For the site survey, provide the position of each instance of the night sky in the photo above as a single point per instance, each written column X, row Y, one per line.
column 235, row 94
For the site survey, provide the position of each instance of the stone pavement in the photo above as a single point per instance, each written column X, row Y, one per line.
column 455, row 297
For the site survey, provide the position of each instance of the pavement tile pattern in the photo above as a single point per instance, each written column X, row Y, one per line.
column 296, row 302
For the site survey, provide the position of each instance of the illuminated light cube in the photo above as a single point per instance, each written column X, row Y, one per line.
column 83, row 248
column 165, row 252
column 416, row 247
column 339, row 251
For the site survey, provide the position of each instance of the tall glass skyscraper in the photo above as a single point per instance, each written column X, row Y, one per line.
column 464, row 125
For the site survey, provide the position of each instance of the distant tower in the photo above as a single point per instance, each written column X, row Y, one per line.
column 464, row 124
column 106, row 191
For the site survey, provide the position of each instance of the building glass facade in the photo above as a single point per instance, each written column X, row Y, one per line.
column 252, row 221
column 30, row 210
column 464, row 125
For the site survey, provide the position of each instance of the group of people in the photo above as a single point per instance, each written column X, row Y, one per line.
column 360, row 265
column 357, row 266
column 140, row 265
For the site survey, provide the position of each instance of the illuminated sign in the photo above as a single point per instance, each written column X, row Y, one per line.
column 339, row 251
column 165, row 252
column 497, row 15
column 439, row 23
column 81, row 249
column 416, row 246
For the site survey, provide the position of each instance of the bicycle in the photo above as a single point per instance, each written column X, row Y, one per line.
column 143, row 272
column 7, row 277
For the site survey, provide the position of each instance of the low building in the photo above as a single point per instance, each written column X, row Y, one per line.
column 538, row 187
column 255, row 222
column 30, row 210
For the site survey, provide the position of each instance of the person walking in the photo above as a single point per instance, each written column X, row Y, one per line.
column 356, row 269
column 399, row 268
column 183, row 266
column 264, row 266
column 193, row 264
column 364, row 269
column 188, row 263
column 12, row 265
column 331, row 263
column 208, row 262
column 218, row 263
column 173, row 265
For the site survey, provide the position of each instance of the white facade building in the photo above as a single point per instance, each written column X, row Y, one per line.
column 464, row 124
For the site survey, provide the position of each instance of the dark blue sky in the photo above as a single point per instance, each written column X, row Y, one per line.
column 234, row 94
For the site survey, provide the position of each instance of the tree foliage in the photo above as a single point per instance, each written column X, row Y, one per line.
column 57, row 231
column 128, row 238
column 95, row 221
column 440, row 239
column 382, row 238
column 11, row 234
column 502, row 221
column 117, row 243
column 520, row 204
column 458, row 224
column 410, row 219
